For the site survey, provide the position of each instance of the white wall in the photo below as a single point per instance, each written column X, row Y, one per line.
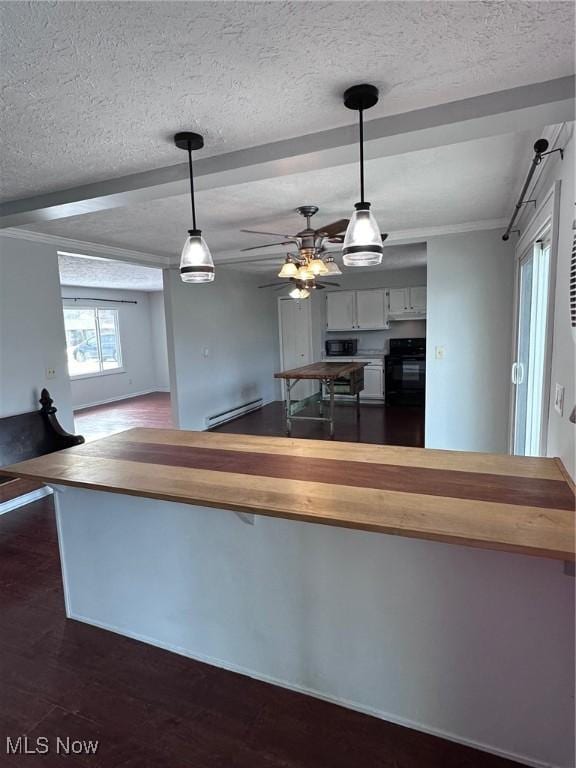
column 159, row 345
column 470, row 298
column 32, row 336
column 223, row 346
column 561, row 432
column 385, row 278
column 141, row 342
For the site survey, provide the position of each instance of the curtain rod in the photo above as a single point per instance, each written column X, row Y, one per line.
column 540, row 148
column 88, row 298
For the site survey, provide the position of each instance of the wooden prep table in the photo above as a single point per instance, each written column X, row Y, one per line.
column 326, row 374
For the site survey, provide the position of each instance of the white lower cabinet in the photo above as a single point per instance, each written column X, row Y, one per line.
column 373, row 382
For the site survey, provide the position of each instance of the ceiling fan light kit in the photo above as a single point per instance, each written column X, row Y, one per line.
column 363, row 241
column 289, row 268
column 332, row 267
column 196, row 264
column 299, row 293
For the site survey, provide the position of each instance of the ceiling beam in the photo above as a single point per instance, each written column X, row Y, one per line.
column 509, row 111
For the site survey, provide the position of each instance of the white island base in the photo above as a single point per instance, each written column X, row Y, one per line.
column 473, row 645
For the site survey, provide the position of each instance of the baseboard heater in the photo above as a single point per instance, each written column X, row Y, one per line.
column 233, row 413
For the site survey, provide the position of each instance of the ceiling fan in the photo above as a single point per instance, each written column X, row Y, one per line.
column 313, row 258
column 307, row 237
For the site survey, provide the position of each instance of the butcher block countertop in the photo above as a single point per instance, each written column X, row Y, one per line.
column 321, row 370
column 481, row 500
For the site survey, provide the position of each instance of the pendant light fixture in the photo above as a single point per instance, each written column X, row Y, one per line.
column 196, row 265
column 362, row 242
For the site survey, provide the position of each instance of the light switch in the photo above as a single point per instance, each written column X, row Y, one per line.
column 559, row 399
column 440, row 353
column 205, row 352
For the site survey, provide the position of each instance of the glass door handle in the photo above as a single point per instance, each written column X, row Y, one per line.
column 521, row 372
column 514, row 373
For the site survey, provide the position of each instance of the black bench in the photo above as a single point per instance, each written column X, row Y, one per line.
column 27, row 436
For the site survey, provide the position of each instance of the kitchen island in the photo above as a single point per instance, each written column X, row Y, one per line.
column 347, row 376
column 266, row 556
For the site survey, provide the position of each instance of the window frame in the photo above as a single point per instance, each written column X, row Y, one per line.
column 102, row 372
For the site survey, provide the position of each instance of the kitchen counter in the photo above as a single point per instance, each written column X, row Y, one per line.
column 481, row 500
column 335, row 569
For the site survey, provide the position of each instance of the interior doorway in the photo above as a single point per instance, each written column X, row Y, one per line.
column 295, row 325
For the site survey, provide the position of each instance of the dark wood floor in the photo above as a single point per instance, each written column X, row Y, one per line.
column 151, row 410
column 398, row 425
column 377, row 423
column 153, row 709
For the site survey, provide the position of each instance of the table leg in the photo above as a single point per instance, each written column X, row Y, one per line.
column 358, row 405
column 288, row 407
column 320, row 400
column 332, row 409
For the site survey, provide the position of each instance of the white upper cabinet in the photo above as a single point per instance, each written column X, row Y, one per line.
column 371, row 309
column 399, row 300
column 407, row 303
column 418, row 300
column 356, row 310
column 341, row 311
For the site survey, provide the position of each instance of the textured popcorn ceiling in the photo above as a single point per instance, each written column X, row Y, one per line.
column 105, row 273
column 467, row 182
column 94, row 90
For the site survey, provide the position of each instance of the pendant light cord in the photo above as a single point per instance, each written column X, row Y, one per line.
column 361, row 113
column 191, row 186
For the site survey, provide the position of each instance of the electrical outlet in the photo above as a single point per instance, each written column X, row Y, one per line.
column 559, row 399
column 440, row 353
column 50, row 373
column 205, row 352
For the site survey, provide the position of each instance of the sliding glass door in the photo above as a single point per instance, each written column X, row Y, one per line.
column 529, row 368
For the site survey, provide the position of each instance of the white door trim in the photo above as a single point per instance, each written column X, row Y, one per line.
column 546, row 218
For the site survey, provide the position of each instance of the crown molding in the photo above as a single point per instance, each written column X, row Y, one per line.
column 88, row 248
column 405, row 236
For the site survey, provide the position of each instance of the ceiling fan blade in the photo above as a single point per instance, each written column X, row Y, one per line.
column 324, row 285
column 340, row 238
column 335, row 228
column 271, row 285
column 258, row 232
column 267, row 245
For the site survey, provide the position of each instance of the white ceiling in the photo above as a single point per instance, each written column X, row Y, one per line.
column 466, row 182
column 105, row 273
column 95, row 90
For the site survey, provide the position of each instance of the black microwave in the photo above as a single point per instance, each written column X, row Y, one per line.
column 341, row 347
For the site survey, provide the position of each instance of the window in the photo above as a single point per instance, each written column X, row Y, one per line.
column 92, row 341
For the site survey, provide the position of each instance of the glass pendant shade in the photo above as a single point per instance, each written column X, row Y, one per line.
column 317, row 266
column 289, row 269
column 331, row 267
column 304, row 273
column 299, row 293
column 196, row 265
column 363, row 241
